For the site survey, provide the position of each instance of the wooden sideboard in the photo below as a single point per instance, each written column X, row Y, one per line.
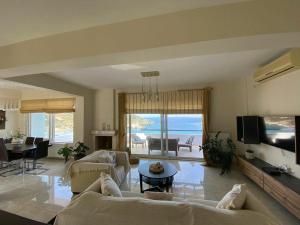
column 284, row 188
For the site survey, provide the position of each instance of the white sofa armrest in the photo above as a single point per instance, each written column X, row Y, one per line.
column 86, row 167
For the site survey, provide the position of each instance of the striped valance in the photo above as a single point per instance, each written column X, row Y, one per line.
column 171, row 102
column 56, row 105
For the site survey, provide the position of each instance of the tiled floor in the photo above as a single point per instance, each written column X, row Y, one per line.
column 40, row 197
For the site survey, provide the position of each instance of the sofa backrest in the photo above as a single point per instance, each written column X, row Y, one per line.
column 254, row 204
column 91, row 207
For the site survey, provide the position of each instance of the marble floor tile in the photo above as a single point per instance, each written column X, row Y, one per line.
column 41, row 197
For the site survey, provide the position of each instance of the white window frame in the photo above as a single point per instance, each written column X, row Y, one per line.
column 51, row 128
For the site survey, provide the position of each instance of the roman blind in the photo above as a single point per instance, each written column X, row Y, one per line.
column 55, row 105
column 170, row 102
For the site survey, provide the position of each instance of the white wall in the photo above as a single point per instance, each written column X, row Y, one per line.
column 104, row 108
column 224, row 107
column 11, row 124
column 279, row 96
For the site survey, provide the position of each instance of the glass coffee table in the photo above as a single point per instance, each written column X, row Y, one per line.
column 163, row 180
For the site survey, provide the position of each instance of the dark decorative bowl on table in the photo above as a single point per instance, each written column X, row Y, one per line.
column 156, row 168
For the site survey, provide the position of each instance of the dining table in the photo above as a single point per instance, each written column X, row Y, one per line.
column 20, row 148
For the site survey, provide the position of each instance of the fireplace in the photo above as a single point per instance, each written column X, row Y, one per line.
column 104, row 140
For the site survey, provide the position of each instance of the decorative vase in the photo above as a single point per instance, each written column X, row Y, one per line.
column 249, row 155
column 17, row 141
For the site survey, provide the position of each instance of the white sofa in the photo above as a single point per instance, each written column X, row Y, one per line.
column 87, row 170
column 91, row 208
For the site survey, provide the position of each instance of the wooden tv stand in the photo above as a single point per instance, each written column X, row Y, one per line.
column 284, row 188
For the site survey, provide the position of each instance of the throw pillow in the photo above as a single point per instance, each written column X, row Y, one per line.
column 109, row 186
column 158, row 195
column 235, row 198
column 107, row 157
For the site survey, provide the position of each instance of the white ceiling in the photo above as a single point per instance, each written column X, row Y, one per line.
column 181, row 72
column 27, row 19
column 5, row 84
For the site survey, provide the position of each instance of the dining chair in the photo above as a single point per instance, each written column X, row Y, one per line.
column 29, row 141
column 7, row 156
column 7, row 140
column 38, row 140
column 40, row 152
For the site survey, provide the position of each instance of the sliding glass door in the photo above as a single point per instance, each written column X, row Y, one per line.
column 186, row 131
column 145, row 134
column 171, row 135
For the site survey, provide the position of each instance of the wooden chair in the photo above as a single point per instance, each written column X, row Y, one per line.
column 136, row 140
column 187, row 144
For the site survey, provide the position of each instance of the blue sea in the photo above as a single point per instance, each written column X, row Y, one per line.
column 177, row 124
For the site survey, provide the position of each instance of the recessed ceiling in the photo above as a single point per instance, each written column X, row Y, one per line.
column 180, row 72
column 23, row 20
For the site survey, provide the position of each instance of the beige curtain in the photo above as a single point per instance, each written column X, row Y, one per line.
column 122, row 121
column 57, row 105
column 170, row 102
column 205, row 122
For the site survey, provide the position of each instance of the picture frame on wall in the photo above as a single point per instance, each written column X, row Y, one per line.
column 2, row 119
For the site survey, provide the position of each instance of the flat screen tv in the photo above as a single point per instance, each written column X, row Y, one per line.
column 278, row 131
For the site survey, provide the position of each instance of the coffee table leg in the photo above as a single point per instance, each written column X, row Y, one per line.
column 141, row 183
column 167, row 184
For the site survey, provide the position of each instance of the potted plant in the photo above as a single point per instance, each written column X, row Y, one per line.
column 17, row 138
column 79, row 150
column 219, row 152
column 66, row 152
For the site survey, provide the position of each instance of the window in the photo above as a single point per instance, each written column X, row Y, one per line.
column 57, row 127
column 63, row 129
column 39, row 125
column 145, row 133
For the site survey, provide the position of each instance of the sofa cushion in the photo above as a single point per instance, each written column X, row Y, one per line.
column 109, row 186
column 104, row 156
column 158, row 195
column 235, row 198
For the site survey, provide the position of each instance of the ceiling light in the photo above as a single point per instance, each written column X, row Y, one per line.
column 150, row 89
column 125, row 67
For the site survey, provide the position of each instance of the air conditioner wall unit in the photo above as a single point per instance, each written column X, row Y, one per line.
column 280, row 66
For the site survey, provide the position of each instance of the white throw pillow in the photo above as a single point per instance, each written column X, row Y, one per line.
column 235, row 198
column 104, row 156
column 109, row 186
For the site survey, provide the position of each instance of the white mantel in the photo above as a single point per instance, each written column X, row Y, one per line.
column 104, row 132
